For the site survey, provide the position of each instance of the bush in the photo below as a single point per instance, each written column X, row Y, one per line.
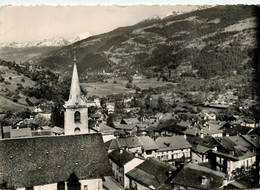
column 29, row 102
column 2, row 79
column 128, row 85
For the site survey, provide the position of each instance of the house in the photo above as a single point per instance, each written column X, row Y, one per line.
column 122, row 162
column 54, row 161
column 143, row 146
column 234, row 156
column 231, row 130
column 6, row 132
column 130, row 121
column 132, row 144
column 201, row 148
column 97, row 102
column 110, row 107
column 172, row 149
column 20, row 133
column 149, row 146
column 193, row 176
column 106, row 131
column 150, row 174
column 130, row 129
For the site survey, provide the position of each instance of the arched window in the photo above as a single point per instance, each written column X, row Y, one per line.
column 77, row 117
column 77, row 130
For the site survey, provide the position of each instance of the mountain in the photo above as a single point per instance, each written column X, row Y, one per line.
column 214, row 41
column 47, row 42
column 21, row 52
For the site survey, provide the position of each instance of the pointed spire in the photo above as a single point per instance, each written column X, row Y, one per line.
column 75, row 58
column 75, row 88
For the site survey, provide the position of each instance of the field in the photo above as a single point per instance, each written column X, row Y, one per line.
column 109, row 88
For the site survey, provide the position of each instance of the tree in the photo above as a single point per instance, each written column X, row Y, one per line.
column 24, row 114
column 128, row 85
column 40, row 120
column 110, row 121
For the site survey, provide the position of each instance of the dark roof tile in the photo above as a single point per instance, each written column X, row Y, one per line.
column 43, row 160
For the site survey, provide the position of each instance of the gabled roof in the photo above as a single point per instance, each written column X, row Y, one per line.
column 252, row 139
column 206, row 141
column 242, row 130
column 151, row 172
column 235, row 147
column 172, row 143
column 126, row 142
column 120, row 157
column 130, row 121
column 200, row 149
column 130, row 142
column 148, row 143
column 44, row 160
column 124, row 126
column 191, row 174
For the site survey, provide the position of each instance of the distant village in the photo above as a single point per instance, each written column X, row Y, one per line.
column 183, row 147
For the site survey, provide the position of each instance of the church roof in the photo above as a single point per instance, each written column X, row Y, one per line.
column 75, row 98
column 28, row 162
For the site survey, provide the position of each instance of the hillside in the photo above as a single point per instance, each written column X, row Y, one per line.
column 211, row 41
column 12, row 84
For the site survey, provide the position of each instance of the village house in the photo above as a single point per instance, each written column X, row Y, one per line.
column 131, row 144
column 193, row 176
column 106, row 131
column 201, row 148
column 149, row 146
column 150, row 174
column 129, row 129
column 110, row 106
column 172, row 149
column 122, row 162
column 143, row 146
column 234, row 156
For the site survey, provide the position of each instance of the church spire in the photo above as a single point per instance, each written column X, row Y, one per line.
column 74, row 98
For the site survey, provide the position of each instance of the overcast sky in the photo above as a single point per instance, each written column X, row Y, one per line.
column 28, row 23
column 22, row 22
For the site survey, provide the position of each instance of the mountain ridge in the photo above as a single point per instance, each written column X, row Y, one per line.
column 177, row 40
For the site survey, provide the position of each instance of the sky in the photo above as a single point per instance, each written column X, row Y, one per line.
column 22, row 23
column 124, row 2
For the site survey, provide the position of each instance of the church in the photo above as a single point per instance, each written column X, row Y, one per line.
column 76, row 111
column 75, row 161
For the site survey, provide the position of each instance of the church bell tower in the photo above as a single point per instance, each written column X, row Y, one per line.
column 76, row 111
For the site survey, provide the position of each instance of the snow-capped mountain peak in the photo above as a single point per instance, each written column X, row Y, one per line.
column 47, row 42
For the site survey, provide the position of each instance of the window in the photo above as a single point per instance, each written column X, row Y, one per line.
column 77, row 117
column 85, row 187
column 77, row 130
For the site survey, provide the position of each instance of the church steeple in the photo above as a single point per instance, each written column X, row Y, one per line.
column 76, row 110
column 75, row 93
